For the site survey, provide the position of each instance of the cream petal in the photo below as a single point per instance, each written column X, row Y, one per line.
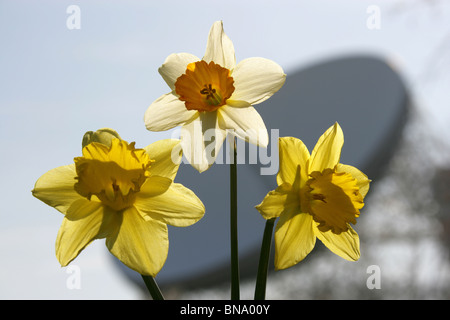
column 256, row 80
column 56, row 188
column 166, row 113
column 219, row 47
column 177, row 206
column 140, row 244
column 345, row 244
column 294, row 239
column 280, row 200
column 201, row 140
column 238, row 103
column 244, row 123
column 167, row 156
column 293, row 157
column 362, row 180
column 82, row 224
column 327, row 152
column 174, row 66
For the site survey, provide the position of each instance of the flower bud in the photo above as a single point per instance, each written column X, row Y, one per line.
column 103, row 136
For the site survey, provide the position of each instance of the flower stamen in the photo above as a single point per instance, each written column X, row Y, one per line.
column 208, row 90
column 318, row 196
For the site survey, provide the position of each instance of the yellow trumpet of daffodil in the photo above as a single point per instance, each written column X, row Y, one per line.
column 316, row 197
column 213, row 96
column 123, row 194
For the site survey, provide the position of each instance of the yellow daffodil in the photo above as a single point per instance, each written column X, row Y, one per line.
column 123, row 194
column 213, row 96
column 316, row 197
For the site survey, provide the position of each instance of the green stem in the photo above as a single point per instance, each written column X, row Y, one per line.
column 233, row 226
column 153, row 288
column 263, row 266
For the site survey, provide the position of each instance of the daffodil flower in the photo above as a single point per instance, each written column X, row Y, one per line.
column 213, row 96
column 316, row 197
column 123, row 194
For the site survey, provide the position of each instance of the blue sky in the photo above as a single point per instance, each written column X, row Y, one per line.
column 58, row 83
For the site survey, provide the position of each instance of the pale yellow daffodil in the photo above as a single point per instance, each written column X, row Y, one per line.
column 213, row 96
column 123, row 194
column 317, row 197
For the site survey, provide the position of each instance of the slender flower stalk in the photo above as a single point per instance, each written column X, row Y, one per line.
column 263, row 266
column 235, row 286
column 153, row 288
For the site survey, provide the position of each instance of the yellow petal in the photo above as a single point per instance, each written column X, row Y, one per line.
column 293, row 157
column 219, row 47
column 327, row 152
column 56, row 188
column 178, row 206
column 154, row 186
column 80, row 226
column 141, row 245
column 363, row 181
column 166, row 155
column 277, row 201
column 345, row 244
column 294, row 239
